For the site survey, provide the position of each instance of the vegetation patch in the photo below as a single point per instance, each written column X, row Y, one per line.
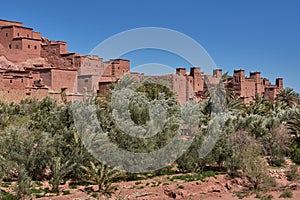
column 286, row 194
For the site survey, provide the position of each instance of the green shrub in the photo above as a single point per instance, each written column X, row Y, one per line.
column 293, row 175
column 66, row 192
column 5, row 185
column 267, row 197
column 7, row 196
column 73, row 186
column 247, row 157
column 36, row 191
column 138, row 182
column 38, row 183
column 286, row 194
column 39, row 196
column 295, row 155
column 181, row 187
column 276, row 145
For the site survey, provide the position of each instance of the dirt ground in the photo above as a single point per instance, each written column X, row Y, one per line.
column 162, row 188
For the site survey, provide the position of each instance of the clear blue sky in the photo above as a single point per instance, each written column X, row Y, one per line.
column 256, row 35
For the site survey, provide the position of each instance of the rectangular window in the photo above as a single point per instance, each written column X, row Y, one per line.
column 35, row 47
column 17, row 46
column 28, row 46
column 6, row 34
column 18, row 34
column 9, row 46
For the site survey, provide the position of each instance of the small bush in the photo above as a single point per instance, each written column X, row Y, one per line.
column 95, row 195
column 138, row 182
column 38, row 183
column 258, row 196
column 267, row 197
column 73, row 186
column 242, row 194
column 181, row 187
column 66, row 192
column 5, row 185
column 286, row 194
column 7, row 196
column 292, row 175
column 39, row 196
column 295, row 155
column 35, row 191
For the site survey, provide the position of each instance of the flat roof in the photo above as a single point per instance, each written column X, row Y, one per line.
column 10, row 26
column 5, row 20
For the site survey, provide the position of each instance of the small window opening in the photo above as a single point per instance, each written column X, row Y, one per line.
column 28, row 46
column 9, row 46
column 35, row 47
column 6, row 34
column 10, row 81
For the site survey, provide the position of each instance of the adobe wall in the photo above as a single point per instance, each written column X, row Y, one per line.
column 255, row 85
column 198, row 79
column 52, row 52
column 249, row 88
column 64, row 79
column 6, row 36
column 10, row 23
column 16, row 55
column 116, row 67
column 271, row 93
column 87, row 83
column 45, row 76
column 181, row 85
column 31, row 47
column 91, row 65
column 22, row 32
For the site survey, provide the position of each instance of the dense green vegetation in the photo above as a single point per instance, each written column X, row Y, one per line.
column 39, row 141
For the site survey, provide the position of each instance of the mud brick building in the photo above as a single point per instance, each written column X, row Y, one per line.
column 254, row 85
column 34, row 66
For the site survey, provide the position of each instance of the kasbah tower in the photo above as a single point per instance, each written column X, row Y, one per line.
column 32, row 66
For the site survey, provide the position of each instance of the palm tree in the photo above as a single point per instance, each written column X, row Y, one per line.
column 261, row 106
column 289, row 97
column 59, row 170
column 294, row 123
column 102, row 176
